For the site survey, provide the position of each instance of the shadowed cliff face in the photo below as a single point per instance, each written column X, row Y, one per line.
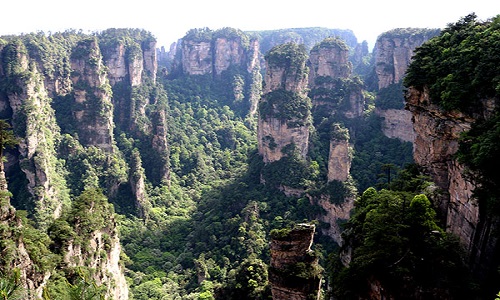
column 293, row 272
column 436, row 143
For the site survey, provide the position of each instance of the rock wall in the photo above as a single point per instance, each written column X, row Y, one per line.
column 291, row 253
column 330, row 58
column 397, row 124
column 28, row 105
column 436, row 142
column 393, row 52
column 108, row 270
column 339, row 160
column 93, row 108
column 130, row 62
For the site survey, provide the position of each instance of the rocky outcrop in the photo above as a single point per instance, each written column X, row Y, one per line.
column 92, row 95
column 330, row 58
column 196, row 57
column 333, row 214
column 35, row 125
column 227, row 52
column 339, row 160
column 215, row 52
column 397, row 124
column 284, row 110
column 436, row 142
column 393, row 52
column 294, row 273
column 108, row 271
column 130, row 61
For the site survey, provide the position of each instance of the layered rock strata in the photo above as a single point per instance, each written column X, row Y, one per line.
column 436, row 142
column 294, row 273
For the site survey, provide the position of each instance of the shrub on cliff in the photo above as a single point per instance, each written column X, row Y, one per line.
column 397, row 243
column 461, row 66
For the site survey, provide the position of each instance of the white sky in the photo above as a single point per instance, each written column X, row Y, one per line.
column 169, row 20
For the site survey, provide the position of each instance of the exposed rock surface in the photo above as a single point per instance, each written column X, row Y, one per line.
column 294, row 273
column 93, row 96
column 227, row 52
column 339, row 161
column 436, row 142
column 108, row 270
column 329, row 60
column 196, row 57
column 393, row 52
column 333, row 214
column 274, row 132
column 31, row 111
column 397, row 124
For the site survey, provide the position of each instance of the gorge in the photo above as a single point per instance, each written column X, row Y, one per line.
column 248, row 165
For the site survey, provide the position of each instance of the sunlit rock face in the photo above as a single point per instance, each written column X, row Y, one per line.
column 276, row 131
column 437, row 134
column 393, row 52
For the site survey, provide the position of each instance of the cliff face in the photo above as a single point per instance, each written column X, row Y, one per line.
column 34, row 124
column 108, row 271
column 334, row 95
column 294, row 272
column 92, row 96
column 436, row 142
column 329, row 59
column 393, row 52
column 130, row 62
column 283, row 109
column 196, row 57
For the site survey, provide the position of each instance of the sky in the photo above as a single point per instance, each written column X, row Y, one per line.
column 170, row 20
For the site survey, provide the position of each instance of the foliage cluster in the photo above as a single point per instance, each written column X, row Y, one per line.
column 411, row 33
column 289, row 107
column 331, row 42
column 396, row 241
column 460, row 66
column 307, row 36
column 391, row 97
column 290, row 56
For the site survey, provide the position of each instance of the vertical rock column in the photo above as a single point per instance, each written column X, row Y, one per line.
column 294, row 272
column 92, row 93
column 335, row 94
column 284, row 109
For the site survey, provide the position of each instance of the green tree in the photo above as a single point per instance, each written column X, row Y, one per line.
column 11, row 287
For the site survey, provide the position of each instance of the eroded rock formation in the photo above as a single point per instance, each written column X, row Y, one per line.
column 294, row 273
column 284, row 110
column 436, row 142
column 93, row 108
column 393, row 52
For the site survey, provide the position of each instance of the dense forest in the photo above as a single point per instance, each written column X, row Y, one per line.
column 159, row 168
